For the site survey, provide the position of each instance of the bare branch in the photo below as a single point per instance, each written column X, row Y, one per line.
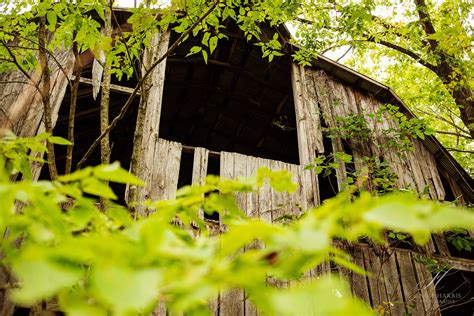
column 402, row 50
column 460, row 150
column 439, row 117
column 455, row 134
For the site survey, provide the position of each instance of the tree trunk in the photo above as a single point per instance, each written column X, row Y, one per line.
column 461, row 92
column 465, row 100
column 105, row 100
column 46, row 86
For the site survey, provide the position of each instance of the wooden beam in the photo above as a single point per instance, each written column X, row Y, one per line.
column 230, row 67
column 113, row 87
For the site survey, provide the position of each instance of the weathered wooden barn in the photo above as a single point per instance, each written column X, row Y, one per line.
column 238, row 113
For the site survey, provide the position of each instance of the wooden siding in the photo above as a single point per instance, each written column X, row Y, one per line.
column 331, row 99
column 21, row 108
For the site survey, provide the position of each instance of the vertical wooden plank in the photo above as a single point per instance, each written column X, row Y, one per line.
column 427, row 288
column 252, row 199
column 240, row 170
column 393, row 285
column 376, row 279
column 200, row 162
column 411, row 293
column 265, row 196
column 150, row 109
column 441, row 245
column 359, row 283
column 309, row 130
column 252, row 211
column 231, row 302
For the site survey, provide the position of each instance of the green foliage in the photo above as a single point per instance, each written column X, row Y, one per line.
column 352, row 125
column 400, row 237
column 380, row 174
column 460, row 239
column 326, row 164
column 271, row 48
column 60, row 245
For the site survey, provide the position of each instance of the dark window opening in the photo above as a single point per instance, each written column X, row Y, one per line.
column 238, row 102
column 213, row 168
column 21, row 311
column 460, row 243
column 328, row 187
column 87, row 129
column 186, row 167
column 449, row 195
column 455, row 292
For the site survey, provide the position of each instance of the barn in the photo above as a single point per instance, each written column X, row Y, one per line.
column 238, row 112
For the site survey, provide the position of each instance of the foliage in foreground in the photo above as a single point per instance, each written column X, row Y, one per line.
column 59, row 245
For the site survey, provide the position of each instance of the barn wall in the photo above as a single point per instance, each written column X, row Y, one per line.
column 395, row 278
column 21, row 108
column 322, row 97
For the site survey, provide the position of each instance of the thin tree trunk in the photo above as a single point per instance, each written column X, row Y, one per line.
column 46, row 79
column 105, row 97
column 72, row 107
column 464, row 98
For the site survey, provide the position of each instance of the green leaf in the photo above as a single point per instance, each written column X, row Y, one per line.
column 58, row 140
column 326, row 295
column 77, row 175
column 194, row 50
column 115, row 173
column 204, row 55
column 41, row 279
column 98, row 188
column 52, row 20
column 205, row 39
column 212, row 44
column 125, row 289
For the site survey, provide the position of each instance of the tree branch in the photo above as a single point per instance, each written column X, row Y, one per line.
column 127, row 104
column 402, row 50
column 439, row 117
column 426, row 22
column 460, row 150
column 467, row 136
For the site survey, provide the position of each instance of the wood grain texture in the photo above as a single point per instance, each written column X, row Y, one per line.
column 427, row 289
column 411, row 290
column 418, row 171
column 151, row 165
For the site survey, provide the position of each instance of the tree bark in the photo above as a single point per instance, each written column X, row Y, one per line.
column 72, row 107
column 464, row 98
column 105, row 98
column 46, row 86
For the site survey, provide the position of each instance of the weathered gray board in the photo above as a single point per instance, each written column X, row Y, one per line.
column 152, row 156
column 21, row 108
column 326, row 98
